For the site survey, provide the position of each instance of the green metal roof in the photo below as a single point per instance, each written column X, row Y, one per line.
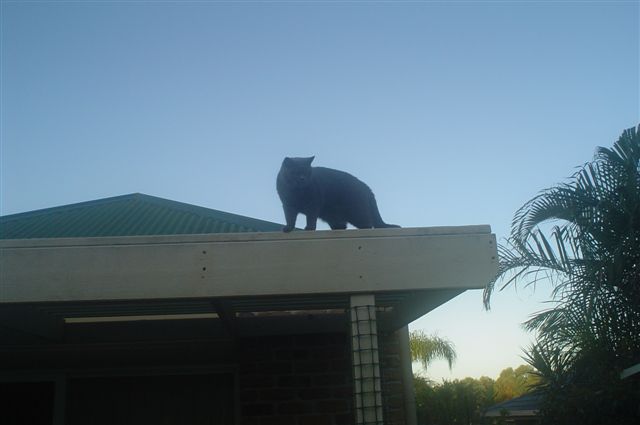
column 128, row 215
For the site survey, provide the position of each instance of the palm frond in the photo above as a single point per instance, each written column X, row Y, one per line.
column 591, row 256
column 426, row 348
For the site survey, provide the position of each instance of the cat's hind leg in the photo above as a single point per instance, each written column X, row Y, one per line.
column 362, row 221
column 311, row 222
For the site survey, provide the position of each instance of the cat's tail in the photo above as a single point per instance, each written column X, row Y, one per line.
column 382, row 224
column 377, row 219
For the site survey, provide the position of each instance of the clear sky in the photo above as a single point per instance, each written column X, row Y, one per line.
column 454, row 113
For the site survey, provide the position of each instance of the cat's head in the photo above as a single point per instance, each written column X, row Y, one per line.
column 297, row 171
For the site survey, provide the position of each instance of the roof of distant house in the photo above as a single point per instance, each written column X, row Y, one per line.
column 631, row 371
column 127, row 215
column 525, row 405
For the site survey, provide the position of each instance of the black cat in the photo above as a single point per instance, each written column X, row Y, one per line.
column 334, row 196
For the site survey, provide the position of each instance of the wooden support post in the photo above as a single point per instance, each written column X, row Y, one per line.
column 365, row 357
column 407, row 376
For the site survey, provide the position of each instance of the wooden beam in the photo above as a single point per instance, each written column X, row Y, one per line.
column 31, row 321
column 228, row 265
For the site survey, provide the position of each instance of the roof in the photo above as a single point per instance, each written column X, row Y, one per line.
column 525, row 405
column 630, row 371
column 135, row 214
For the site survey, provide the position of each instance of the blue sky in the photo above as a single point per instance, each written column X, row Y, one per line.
column 453, row 112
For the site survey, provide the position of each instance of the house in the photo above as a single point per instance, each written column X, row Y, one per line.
column 521, row 410
column 136, row 309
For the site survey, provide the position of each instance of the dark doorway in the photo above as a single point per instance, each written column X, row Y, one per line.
column 151, row 400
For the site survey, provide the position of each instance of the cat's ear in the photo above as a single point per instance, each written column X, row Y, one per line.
column 310, row 160
column 287, row 161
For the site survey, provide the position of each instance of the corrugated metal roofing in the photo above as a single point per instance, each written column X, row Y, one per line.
column 128, row 215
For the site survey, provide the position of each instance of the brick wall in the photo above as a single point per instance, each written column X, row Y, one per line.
column 307, row 380
column 295, row 380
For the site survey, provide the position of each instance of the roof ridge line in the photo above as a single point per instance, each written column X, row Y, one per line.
column 70, row 206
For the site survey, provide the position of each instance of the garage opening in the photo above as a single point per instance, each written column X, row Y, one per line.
column 151, row 400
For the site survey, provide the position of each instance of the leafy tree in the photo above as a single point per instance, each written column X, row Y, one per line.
column 584, row 237
column 515, row 382
column 423, row 389
column 488, row 390
column 425, row 348
column 462, row 401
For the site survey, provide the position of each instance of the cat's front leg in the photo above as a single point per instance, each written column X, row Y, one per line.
column 312, row 220
column 290, row 214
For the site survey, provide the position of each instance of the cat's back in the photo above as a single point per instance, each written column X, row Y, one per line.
column 329, row 175
column 334, row 180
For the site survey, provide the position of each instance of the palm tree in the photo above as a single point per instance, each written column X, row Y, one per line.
column 584, row 237
column 425, row 348
column 592, row 257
